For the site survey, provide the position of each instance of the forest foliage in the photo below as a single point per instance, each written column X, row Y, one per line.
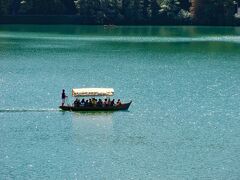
column 128, row 11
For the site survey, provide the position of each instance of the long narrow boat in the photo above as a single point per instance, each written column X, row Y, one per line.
column 108, row 108
column 93, row 92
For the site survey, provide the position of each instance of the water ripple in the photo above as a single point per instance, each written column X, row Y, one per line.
column 136, row 39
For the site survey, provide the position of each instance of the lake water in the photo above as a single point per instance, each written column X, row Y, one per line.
column 184, row 122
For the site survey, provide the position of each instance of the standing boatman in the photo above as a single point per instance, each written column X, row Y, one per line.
column 63, row 97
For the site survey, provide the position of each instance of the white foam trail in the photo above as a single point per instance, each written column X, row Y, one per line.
column 27, row 110
column 135, row 39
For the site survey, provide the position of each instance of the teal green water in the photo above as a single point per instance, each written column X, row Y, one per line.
column 183, row 124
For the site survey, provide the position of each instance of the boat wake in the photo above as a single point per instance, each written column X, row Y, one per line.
column 27, row 110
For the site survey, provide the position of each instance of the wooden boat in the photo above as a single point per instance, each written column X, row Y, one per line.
column 93, row 92
column 124, row 106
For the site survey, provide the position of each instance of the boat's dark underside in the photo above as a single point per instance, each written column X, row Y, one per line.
column 108, row 108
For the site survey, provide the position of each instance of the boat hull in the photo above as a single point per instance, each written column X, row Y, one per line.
column 108, row 108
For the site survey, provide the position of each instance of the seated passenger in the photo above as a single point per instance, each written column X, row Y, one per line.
column 75, row 103
column 90, row 103
column 109, row 102
column 105, row 104
column 119, row 102
column 78, row 102
column 112, row 102
column 83, row 101
column 94, row 102
column 86, row 103
column 99, row 103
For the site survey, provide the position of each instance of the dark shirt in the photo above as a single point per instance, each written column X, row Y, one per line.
column 63, row 95
column 99, row 103
column 86, row 104
column 112, row 103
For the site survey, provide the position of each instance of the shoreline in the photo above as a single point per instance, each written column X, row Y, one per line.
column 80, row 20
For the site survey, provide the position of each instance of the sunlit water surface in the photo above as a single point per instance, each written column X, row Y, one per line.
column 184, row 122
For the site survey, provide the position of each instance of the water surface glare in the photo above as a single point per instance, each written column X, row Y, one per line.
column 183, row 124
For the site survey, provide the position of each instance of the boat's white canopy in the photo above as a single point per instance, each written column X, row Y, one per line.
column 92, row 92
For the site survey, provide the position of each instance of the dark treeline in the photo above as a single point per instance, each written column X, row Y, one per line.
column 216, row 12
